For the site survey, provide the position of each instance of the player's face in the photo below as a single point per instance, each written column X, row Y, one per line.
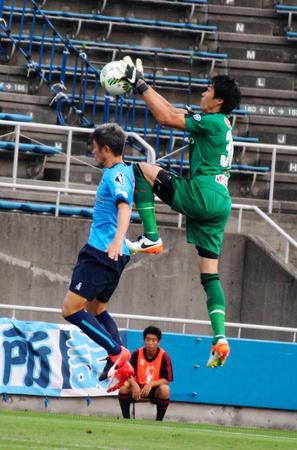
column 100, row 154
column 208, row 102
column 151, row 343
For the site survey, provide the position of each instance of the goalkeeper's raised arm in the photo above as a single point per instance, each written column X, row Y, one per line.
column 163, row 111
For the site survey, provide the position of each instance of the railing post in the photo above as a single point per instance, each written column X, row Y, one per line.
column 179, row 221
column 16, row 154
column 239, row 223
column 272, row 176
column 57, row 204
column 68, row 156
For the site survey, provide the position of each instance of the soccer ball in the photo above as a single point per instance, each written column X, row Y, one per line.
column 110, row 79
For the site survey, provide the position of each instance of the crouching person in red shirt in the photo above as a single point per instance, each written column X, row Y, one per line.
column 153, row 372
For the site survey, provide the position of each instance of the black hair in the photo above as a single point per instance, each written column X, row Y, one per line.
column 152, row 330
column 227, row 89
column 110, row 134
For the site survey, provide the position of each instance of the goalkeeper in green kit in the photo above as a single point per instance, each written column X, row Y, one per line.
column 203, row 198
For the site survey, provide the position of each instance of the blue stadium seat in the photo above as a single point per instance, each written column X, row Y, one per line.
column 162, row 78
column 47, row 208
column 247, row 168
column 175, row 133
column 128, row 21
column 32, row 148
column 15, row 117
column 292, row 35
column 287, row 9
column 185, row 163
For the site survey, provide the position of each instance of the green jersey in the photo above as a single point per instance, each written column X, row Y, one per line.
column 211, row 150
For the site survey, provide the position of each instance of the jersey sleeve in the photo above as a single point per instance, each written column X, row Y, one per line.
column 199, row 124
column 120, row 185
column 133, row 360
column 166, row 368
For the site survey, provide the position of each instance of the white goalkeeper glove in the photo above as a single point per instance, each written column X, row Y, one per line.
column 134, row 75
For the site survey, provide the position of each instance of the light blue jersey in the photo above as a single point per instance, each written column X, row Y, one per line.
column 117, row 184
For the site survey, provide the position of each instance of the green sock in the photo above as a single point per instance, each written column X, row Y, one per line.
column 215, row 304
column 145, row 204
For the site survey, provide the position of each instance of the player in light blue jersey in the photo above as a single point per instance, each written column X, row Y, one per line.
column 102, row 260
column 116, row 187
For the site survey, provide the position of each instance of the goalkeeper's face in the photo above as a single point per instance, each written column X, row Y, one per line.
column 208, row 102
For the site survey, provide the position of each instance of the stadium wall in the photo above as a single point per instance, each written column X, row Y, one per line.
column 258, row 373
column 38, row 253
column 256, row 387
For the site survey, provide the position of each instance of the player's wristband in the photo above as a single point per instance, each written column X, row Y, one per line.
column 141, row 86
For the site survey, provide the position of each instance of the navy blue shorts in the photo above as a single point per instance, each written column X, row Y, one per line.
column 95, row 275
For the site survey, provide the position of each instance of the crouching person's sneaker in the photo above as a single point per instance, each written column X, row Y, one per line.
column 219, row 353
column 145, row 245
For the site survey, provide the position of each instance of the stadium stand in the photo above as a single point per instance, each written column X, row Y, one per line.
column 67, row 57
column 46, row 208
column 289, row 11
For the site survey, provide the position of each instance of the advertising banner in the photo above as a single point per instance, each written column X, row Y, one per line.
column 39, row 358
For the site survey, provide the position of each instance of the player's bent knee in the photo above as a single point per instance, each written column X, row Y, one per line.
column 125, row 389
column 72, row 303
column 149, row 171
column 163, row 391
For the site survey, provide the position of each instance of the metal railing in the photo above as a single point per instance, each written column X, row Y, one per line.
column 68, row 131
column 153, row 319
column 289, row 240
column 151, row 157
column 274, row 148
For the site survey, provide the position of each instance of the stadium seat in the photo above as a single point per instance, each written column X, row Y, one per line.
column 15, row 117
column 47, row 208
column 292, row 35
column 32, row 148
column 289, row 10
column 114, row 20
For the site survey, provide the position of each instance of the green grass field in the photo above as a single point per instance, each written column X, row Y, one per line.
column 42, row 431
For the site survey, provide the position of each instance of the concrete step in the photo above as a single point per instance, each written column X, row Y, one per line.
column 260, row 80
column 259, row 52
column 257, row 4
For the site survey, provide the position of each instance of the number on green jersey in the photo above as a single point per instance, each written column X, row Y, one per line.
column 227, row 159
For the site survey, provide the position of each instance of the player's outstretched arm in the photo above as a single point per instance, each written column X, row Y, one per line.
column 165, row 113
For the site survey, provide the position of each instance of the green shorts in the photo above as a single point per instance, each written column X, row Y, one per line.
column 207, row 212
column 207, row 208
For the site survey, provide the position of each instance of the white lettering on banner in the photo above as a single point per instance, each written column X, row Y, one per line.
column 46, row 359
column 222, row 179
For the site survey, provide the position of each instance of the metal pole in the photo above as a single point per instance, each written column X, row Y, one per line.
column 272, row 176
column 239, row 220
column 68, row 155
column 16, row 154
column 57, row 204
